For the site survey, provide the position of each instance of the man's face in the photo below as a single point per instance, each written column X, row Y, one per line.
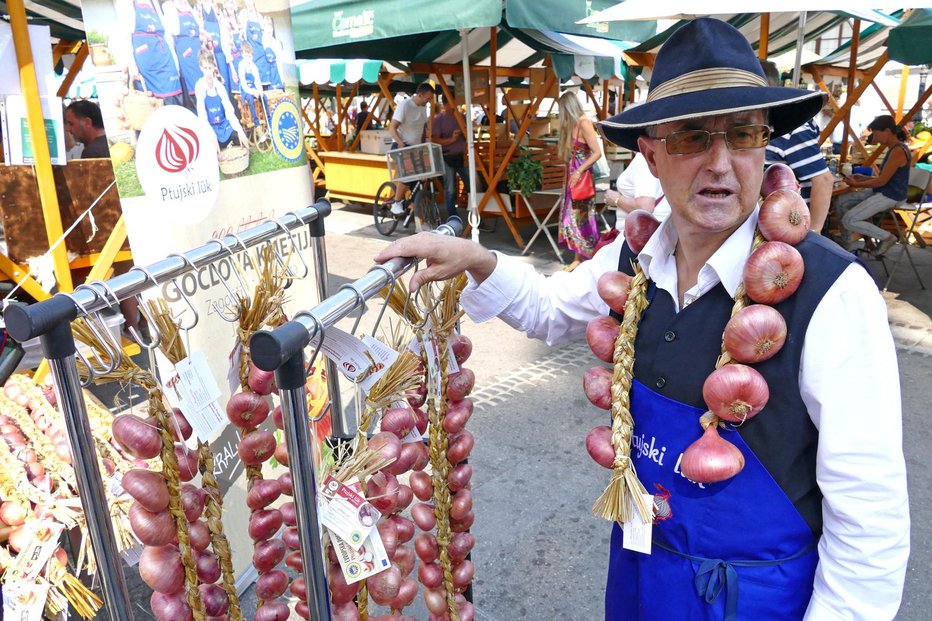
column 713, row 191
column 422, row 99
column 448, row 106
column 74, row 125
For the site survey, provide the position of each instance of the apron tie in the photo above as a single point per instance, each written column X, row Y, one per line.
column 714, row 575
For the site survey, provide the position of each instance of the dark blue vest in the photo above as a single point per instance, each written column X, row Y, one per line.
column 676, row 352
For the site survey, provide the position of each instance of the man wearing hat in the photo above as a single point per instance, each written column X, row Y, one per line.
column 816, row 525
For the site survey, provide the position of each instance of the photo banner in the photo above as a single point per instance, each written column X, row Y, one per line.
column 201, row 108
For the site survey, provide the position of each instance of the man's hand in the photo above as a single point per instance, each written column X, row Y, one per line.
column 446, row 257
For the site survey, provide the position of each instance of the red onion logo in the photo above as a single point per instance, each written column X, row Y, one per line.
column 176, row 149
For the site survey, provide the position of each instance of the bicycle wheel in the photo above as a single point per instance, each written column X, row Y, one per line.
column 426, row 209
column 385, row 221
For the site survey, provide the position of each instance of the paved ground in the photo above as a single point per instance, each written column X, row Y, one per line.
column 540, row 554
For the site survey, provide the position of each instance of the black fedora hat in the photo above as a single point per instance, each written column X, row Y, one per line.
column 707, row 68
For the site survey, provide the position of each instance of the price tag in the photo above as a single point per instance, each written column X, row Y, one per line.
column 360, row 564
column 382, row 357
column 429, row 343
column 236, row 357
column 637, row 533
column 33, row 557
column 207, row 422
column 24, row 600
column 196, row 384
column 347, row 513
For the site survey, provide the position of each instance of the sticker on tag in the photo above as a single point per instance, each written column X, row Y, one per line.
column 358, row 359
column 636, row 533
column 360, row 564
column 347, row 513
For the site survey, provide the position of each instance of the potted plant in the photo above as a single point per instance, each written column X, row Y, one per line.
column 525, row 174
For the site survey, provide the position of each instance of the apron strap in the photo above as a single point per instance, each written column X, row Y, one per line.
column 715, row 575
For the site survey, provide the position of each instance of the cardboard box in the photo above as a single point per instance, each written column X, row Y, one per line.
column 375, row 141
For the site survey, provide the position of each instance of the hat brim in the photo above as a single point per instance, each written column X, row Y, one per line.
column 788, row 108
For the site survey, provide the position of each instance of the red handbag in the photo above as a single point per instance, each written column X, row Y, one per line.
column 584, row 189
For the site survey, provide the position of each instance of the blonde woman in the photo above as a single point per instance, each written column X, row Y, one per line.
column 579, row 148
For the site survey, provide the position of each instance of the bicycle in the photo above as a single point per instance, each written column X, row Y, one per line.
column 420, row 204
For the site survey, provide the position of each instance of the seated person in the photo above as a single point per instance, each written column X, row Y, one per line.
column 637, row 188
column 880, row 193
column 213, row 104
column 249, row 80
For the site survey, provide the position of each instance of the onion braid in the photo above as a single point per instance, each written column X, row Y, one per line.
column 218, row 540
column 614, row 503
column 170, row 471
column 440, row 466
column 741, row 301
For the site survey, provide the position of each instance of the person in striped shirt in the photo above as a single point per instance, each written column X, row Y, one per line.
column 800, row 151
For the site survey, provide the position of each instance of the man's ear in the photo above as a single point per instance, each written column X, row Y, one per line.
column 646, row 147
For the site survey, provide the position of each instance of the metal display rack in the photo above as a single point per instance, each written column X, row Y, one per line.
column 282, row 350
column 50, row 321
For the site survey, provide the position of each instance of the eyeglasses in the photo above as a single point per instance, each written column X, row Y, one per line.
column 692, row 141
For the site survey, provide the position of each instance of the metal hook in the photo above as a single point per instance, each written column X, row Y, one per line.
column 294, row 243
column 360, row 300
column 92, row 326
column 184, row 295
column 109, row 343
column 236, row 271
column 154, row 332
column 391, row 289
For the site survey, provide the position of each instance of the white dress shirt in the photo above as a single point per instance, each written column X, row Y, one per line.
column 848, row 379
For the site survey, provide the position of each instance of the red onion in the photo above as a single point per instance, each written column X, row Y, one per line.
column 148, row 488
column 459, row 477
column 430, row 574
column 755, row 333
column 152, row 529
column 462, row 525
column 160, row 568
column 423, row 515
column 407, row 592
column 340, row 592
column 405, row 496
column 291, row 538
column 404, row 560
column 268, row 554
column 399, row 421
column 170, row 607
column 382, row 491
column 208, row 567
column 735, row 392
column 199, row 535
column 273, row 611
column 271, row 584
column 773, row 273
column 187, row 462
column 263, row 524
column 711, row 459
column 345, row 612
column 262, row 493
column 422, row 456
column 299, row 589
column 281, row 454
column 461, row 544
column 459, row 447
column 778, row 176
column 426, row 547
column 639, row 226
column 436, row 600
column 285, row 482
column 180, row 427
column 215, row 600
column 460, row 384
column 256, row 447
column 387, row 445
column 295, row 561
column 192, row 500
column 462, row 347
column 597, row 384
column 784, row 216
column 613, row 288
column 422, row 420
column 461, row 505
column 389, row 537
column 404, row 527
column 303, row 610
column 417, row 397
column 599, row 445
column 383, row 586
column 138, row 437
column 289, row 514
column 457, row 416
column 262, row 382
column 601, row 334
column 247, row 410
column 277, row 417
column 408, row 453
column 463, row 574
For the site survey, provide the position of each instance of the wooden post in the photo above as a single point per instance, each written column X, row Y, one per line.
column 74, row 70
column 853, row 96
column 40, row 145
column 901, row 100
column 764, row 35
column 493, row 92
column 852, row 68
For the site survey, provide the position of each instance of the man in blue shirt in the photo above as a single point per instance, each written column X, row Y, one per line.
column 800, row 151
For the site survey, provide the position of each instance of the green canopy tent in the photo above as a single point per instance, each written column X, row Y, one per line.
column 909, row 43
column 422, row 32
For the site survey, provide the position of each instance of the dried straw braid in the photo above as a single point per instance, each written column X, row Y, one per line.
column 624, row 486
column 170, row 472
column 174, row 349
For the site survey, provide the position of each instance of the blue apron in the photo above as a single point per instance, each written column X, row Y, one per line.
column 217, row 116
column 250, row 82
column 212, row 27
column 187, row 45
column 236, row 56
column 734, row 550
column 275, row 80
column 254, row 36
column 153, row 58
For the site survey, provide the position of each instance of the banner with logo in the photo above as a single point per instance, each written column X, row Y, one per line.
column 200, row 105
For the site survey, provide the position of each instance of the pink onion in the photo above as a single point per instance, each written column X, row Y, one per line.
column 601, row 334
column 273, row 611
column 597, row 384
column 160, row 568
column 247, row 410
column 198, row 535
column 284, row 482
column 383, row 586
column 436, row 600
column 170, row 607
column 263, row 524
column 138, row 437
column 422, row 420
column 405, row 496
column 784, row 216
column 289, row 514
column 382, row 491
column 422, row 456
column 613, row 288
column 386, row 444
column 180, row 427
column 711, row 459
column 152, row 529
column 340, row 592
column 404, row 527
column 461, row 505
column 599, row 445
column 423, row 515
column 462, row 347
column 778, row 176
column 429, row 574
column 262, row 382
column 148, row 488
column 399, row 421
column 459, row 447
column 460, row 384
column 389, row 537
column 462, row 525
column 345, row 612
column 187, row 462
column 208, row 567
column 773, row 272
column 459, row 477
column 735, row 392
column 404, row 560
column 409, row 452
column 192, row 500
column 755, row 333
column 291, row 538
column 426, row 548
column 281, row 453
column 262, row 493
column 421, row 485
column 457, row 416
column 407, row 593
column 256, row 447
column 267, row 554
column 461, row 544
column 463, row 574
column 299, row 589
column 271, row 584
column 639, row 226
column 215, row 600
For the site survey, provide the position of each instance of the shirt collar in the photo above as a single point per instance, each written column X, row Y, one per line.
column 726, row 265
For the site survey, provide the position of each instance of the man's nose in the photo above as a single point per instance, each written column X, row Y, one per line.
column 718, row 157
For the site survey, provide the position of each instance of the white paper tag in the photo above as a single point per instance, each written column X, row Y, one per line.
column 208, row 422
column 347, row 513
column 356, row 358
column 24, row 600
column 196, row 384
column 383, row 357
column 33, row 557
column 116, row 484
column 636, row 533
column 360, row 564
column 236, row 357
column 429, row 343
column 131, row 555
column 452, row 365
